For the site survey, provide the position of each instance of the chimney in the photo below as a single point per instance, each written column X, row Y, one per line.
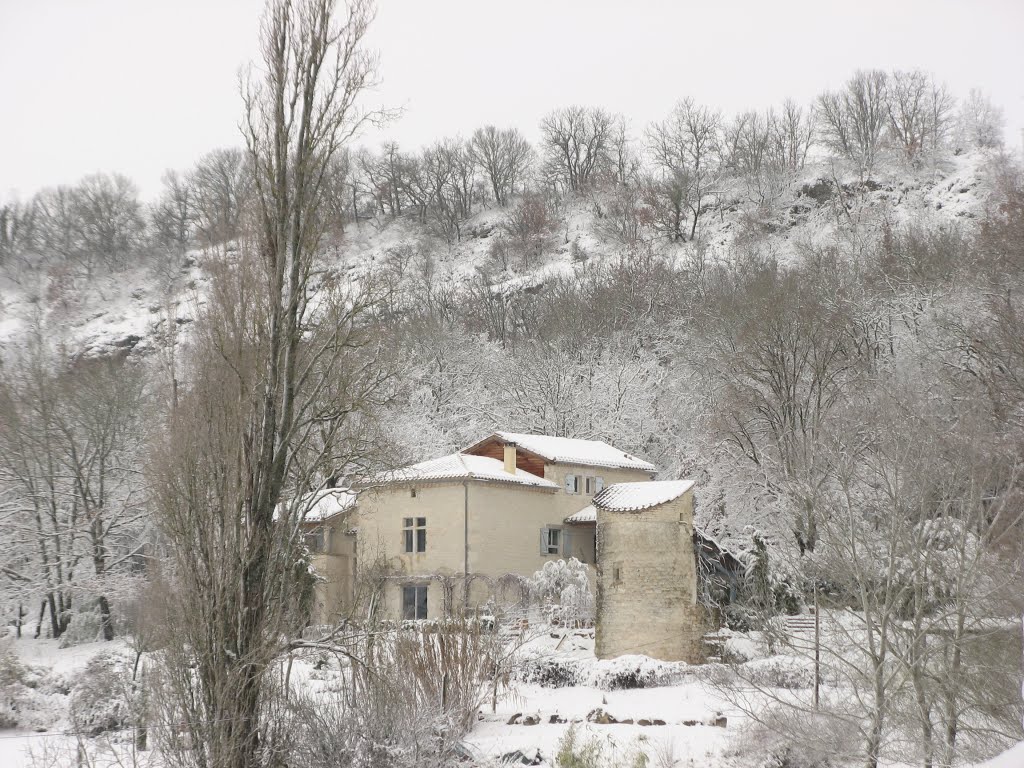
column 510, row 458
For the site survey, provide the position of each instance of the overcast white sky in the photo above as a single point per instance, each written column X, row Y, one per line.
column 137, row 86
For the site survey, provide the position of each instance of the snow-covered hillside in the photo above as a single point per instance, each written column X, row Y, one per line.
column 129, row 311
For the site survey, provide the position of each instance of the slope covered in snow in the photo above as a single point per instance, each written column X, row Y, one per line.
column 132, row 311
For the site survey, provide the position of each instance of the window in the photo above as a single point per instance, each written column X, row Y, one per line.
column 572, row 483
column 617, row 573
column 412, row 492
column 414, row 602
column 414, row 534
column 315, row 540
column 594, row 485
column 550, row 541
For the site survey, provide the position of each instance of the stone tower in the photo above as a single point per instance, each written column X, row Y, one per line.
column 647, row 572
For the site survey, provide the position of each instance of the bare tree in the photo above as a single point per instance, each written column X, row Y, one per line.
column 528, row 226
column 97, row 222
column 779, row 367
column 792, row 135
column 42, row 516
column 919, row 112
column 745, row 142
column 284, row 380
column 504, row 156
column 853, row 119
column 667, row 198
column 577, row 144
column 57, row 226
column 686, row 147
column 339, row 194
column 388, row 177
column 19, row 231
column 625, row 160
column 221, row 187
column 445, row 185
column 980, row 122
column 174, row 214
column 101, row 435
column 109, row 220
column 69, row 443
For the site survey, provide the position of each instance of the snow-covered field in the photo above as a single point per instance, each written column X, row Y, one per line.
column 678, row 717
column 681, row 715
column 684, row 719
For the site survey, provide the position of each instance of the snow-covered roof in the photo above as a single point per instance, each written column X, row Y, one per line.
column 632, row 497
column 457, row 466
column 569, row 450
column 328, row 503
column 586, row 515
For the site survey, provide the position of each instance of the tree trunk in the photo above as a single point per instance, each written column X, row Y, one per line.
column 873, row 747
column 105, row 620
column 56, row 628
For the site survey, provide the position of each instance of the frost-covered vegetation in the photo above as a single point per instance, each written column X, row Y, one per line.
column 814, row 311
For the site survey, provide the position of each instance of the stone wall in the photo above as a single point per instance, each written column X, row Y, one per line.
column 647, row 583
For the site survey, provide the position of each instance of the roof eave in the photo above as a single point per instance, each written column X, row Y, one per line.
column 418, row 481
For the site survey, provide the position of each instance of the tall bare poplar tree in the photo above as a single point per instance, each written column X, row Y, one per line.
column 283, row 383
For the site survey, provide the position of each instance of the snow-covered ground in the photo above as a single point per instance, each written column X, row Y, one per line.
column 682, row 715
column 673, row 713
column 44, row 736
column 679, row 719
column 685, row 718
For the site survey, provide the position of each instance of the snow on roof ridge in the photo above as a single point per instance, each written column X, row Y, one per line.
column 573, row 450
column 633, row 497
column 461, row 465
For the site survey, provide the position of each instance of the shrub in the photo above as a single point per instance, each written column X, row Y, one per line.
column 564, row 587
column 529, row 227
column 102, row 698
column 575, row 751
column 29, row 698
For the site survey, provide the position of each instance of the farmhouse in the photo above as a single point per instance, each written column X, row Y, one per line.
column 448, row 534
